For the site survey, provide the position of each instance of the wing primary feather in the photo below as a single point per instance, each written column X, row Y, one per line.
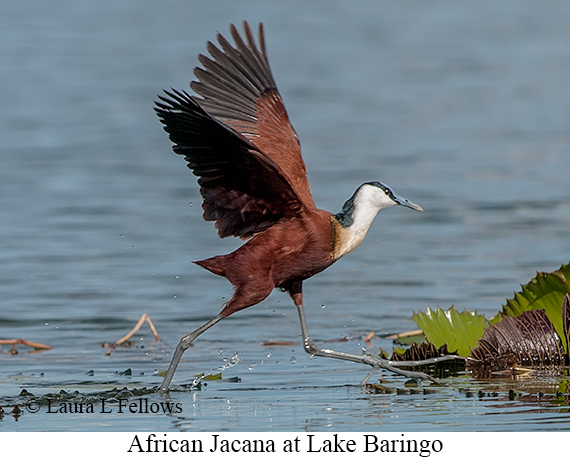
column 261, row 66
column 230, row 60
column 223, row 78
column 261, row 35
column 249, row 59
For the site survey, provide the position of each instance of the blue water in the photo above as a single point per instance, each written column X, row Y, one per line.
column 464, row 109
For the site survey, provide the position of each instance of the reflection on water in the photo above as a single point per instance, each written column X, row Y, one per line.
column 461, row 108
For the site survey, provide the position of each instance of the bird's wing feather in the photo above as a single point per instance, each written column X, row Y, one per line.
column 237, row 88
column 243, row 189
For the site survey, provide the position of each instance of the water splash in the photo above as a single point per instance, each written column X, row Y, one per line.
column 228, row 363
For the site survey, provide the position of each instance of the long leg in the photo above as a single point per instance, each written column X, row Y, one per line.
column 245, row 295
column 184, row 344
column 296, row 293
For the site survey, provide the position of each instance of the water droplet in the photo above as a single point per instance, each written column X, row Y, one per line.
column 293, row 360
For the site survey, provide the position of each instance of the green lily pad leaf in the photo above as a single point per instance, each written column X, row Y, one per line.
column 459, row 330
column 546, row 291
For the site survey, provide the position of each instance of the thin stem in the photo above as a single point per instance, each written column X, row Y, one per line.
column 144, row 318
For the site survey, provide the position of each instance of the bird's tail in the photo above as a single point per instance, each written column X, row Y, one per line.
column 216, row 265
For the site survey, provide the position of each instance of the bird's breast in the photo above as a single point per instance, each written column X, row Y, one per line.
column 344, row 240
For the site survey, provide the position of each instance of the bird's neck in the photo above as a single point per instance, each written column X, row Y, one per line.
column 349, row 227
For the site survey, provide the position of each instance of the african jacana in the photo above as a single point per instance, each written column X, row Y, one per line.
column 237, row 138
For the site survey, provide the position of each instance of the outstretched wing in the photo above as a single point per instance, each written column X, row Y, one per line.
column 243, row 189
column 237, row 88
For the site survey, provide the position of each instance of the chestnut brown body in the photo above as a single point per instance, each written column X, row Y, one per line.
column 286, row 253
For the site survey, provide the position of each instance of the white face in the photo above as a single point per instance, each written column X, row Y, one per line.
column 381, row 196
column 375, row 197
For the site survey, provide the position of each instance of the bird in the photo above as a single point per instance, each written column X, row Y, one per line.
column 236, row 137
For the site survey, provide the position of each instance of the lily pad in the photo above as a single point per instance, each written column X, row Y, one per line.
column 460, row 331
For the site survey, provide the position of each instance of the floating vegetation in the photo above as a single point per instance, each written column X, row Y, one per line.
column 531, row 334
column 14, row 342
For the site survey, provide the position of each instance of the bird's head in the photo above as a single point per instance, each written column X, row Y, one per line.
column 368, row 199
column 360, row 210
